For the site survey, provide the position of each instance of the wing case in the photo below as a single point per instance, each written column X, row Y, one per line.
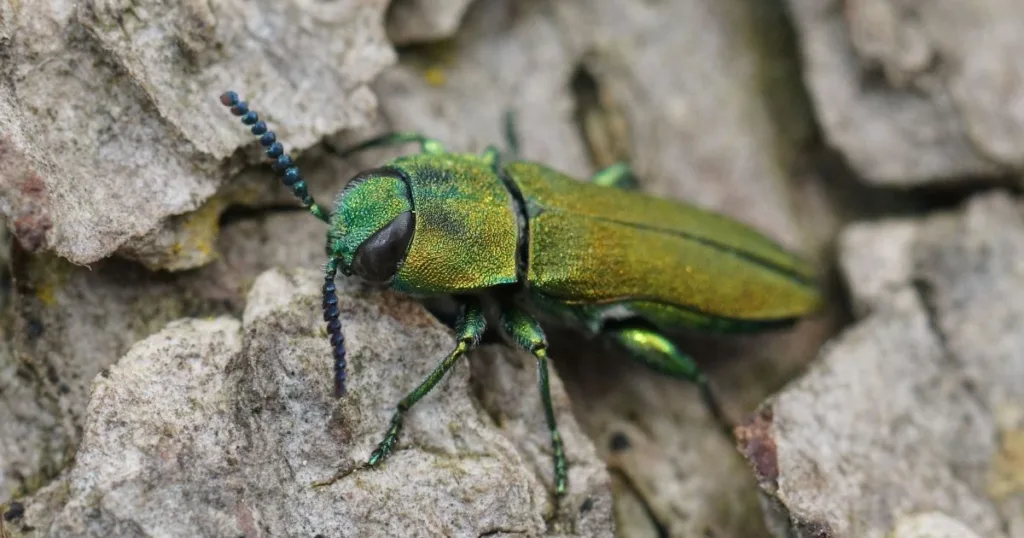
column 592, row 246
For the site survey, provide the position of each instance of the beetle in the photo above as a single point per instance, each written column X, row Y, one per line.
column 534, row 242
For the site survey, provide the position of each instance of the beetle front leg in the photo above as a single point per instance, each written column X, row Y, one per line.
column 657, row 352
column 469, row 329
column 619, row 175
column 528, row 334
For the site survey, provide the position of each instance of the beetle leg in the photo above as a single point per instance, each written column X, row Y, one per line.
column 654, row 350
column 511, row 134
column 492, row 157
column 528, row 334
column 469, row 329
column 427, row 145
column 618, row 175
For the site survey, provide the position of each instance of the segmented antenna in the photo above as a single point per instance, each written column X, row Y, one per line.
column 291, row 178
column 282, row 164
column 334, row 327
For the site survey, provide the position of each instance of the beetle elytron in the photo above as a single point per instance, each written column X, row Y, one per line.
column 619, row 263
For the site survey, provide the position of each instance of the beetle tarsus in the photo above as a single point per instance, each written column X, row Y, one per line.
column 384, row 447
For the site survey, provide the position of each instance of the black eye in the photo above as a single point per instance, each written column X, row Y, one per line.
column 378, row 257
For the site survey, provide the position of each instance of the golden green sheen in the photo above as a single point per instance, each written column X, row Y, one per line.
column 592, row 245
column 466, row 226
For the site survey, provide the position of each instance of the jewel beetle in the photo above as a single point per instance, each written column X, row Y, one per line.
column 537, row 244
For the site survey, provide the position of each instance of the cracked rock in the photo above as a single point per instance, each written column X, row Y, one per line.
column 110, row 124
column 917, row 408
column 218, row 427
column 914, row 93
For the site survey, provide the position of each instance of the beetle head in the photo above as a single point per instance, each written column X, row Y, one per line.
column 372, row 225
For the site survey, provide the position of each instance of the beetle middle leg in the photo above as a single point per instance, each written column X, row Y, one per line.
column 619, row 175
column 527, row 332
column 427, row 144
column 511, row 133
column 492, row 155
column 469, row 329
column 657, row 352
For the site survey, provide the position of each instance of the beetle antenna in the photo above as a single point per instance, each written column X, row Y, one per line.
column 334, row 326
column 282, row 164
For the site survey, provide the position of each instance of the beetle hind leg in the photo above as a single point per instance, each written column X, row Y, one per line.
column 527, row 332
column 654, row 350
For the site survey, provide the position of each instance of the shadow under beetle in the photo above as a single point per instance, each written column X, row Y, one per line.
column 533, row 241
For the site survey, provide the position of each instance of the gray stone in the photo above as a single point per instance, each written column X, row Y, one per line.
column 931, row 525
column 916, row 408
column 26, row 461
column 110, row 118
column 218, row 427
column 876, row 259
column 415, row 21
column 70, row 323
column 461, row 98
column 912, row 93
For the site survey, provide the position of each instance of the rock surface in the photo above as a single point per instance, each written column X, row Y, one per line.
column 917, row 408
column 109, row 119
column 909, row 421
column 239, row 415
column 912, row 94
column 70, row 323
column 931, row 525
column 414, row 21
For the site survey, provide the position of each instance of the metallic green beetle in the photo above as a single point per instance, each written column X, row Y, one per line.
column 534, row 242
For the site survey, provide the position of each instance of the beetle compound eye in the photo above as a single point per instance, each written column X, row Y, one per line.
column 377, row 259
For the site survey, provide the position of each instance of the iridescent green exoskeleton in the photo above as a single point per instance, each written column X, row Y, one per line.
column 531, row 241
